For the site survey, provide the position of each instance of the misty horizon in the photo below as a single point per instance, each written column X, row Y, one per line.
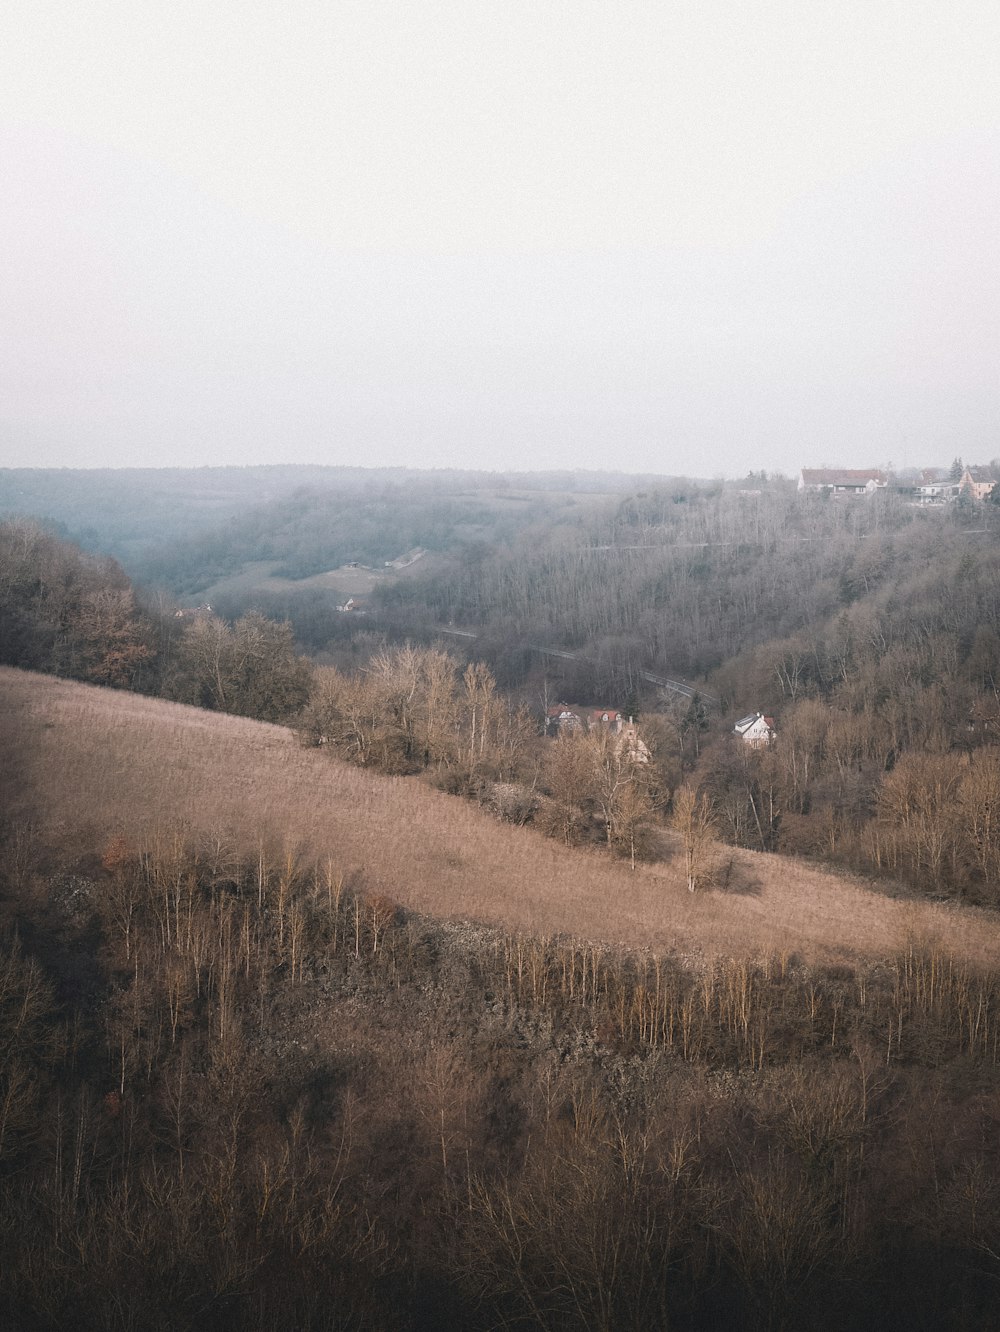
column 436, row 238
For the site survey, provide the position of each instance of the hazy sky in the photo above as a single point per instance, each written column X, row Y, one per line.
column 683, row 237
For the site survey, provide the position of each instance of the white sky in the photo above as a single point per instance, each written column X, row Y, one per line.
column 695, row 237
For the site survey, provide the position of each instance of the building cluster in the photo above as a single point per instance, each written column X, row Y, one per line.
column 567, row 718
column 933, row 485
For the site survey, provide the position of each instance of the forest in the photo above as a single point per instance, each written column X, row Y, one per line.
column 869, row 630
column 201, row 1043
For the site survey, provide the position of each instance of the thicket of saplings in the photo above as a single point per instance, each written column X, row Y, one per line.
column 248, row 1094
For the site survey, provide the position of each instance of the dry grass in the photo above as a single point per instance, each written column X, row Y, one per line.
column 82, row 762
column 259, row 577
column 343, row 582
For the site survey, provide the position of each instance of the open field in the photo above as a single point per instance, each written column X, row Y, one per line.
column 259, row 577
column 80, row 763
column 341, row 583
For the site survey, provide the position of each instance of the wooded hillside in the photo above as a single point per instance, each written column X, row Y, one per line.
column 243, row 1083
column 868, row 628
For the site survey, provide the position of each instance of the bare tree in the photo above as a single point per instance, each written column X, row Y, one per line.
column 694, row 819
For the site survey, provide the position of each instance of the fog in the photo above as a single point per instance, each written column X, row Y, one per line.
column 683, row 239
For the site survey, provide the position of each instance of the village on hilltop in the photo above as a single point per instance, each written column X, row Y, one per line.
column 928, row 486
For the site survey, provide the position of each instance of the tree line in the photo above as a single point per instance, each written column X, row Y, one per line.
column 78, row 615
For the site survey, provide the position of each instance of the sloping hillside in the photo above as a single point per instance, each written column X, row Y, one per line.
column 82, row 763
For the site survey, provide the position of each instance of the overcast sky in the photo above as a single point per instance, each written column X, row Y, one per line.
column 693, row 237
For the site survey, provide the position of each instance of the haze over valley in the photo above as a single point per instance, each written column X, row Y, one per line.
column 499, row 666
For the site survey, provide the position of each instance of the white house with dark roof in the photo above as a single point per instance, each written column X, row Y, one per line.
column 755, row 730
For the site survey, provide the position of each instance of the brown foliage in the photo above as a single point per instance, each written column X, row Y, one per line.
column 85, row 763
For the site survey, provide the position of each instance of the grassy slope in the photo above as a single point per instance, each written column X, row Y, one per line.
column 341, row 583
column 82, row 762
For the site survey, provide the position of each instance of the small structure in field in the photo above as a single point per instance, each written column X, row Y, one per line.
column 756, row 730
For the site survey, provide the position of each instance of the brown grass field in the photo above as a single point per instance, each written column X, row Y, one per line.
column 81, row 763
column 258, row 577
column 340, row 583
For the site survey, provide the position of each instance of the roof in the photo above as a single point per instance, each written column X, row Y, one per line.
column 841, row 476
column 596, row 713
column 745, row 723
column 981, row 475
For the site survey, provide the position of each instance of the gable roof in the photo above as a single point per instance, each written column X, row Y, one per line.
column 842, row 476
column 596, row 714
column 751, row 720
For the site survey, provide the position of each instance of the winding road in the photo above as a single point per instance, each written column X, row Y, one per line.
column 661, row 681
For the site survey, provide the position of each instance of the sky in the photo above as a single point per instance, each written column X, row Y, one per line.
column 699, row 238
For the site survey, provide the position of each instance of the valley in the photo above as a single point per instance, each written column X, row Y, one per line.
column 375, row 970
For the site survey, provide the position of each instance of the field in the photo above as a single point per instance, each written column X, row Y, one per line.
column 258, row 576
column 341, row 583
column 81, row 763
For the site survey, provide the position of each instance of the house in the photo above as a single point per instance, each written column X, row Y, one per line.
column 977, row 482
column 193, row 612
column 842, row 481
column 565, row 718
column 935, row 486
column 756, row 730
column 353, row 605
column 571, row 717
column 633, row 744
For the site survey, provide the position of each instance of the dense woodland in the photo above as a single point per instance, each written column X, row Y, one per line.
column 182, row 527
column 201, row 1055
column 870, row 630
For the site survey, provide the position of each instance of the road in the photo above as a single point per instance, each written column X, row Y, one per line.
column 661, row 681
